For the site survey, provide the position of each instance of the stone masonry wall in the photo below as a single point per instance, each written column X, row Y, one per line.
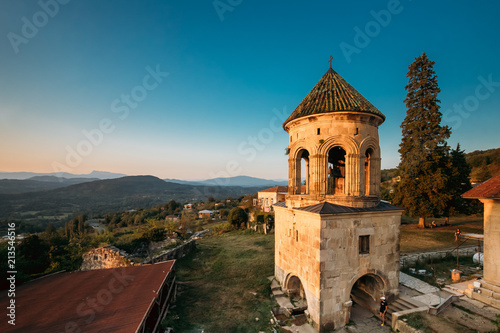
column 175, row 253
column 104, row 257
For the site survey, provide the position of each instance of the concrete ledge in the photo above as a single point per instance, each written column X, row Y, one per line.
column 396, row 315
column 437, row 310
column 401, row 326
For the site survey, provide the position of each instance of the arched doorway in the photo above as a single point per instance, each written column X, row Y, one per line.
column 302, row 172
column 297, row 294
column 367, row 291
column 336, row 171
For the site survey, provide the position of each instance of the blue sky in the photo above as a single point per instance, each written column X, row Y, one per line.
column 199, row 89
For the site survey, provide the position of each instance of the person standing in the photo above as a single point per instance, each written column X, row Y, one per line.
column 383, row 309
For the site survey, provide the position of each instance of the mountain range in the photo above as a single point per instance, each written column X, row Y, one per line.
column 67, row 178
column 244, row 181
column 94, row 197
column 94, row 175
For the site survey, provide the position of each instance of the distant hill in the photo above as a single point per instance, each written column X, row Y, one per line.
column 244, row 181
column 38, row 183
column 102, row 196
column 485, row 164
column 93, row 175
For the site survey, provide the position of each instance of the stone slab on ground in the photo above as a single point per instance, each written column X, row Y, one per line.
column 306, row 328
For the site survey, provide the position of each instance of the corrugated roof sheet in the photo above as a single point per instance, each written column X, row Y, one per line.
column 332, row 94
column 490, row 189
column 329, row 208
column 105, row 300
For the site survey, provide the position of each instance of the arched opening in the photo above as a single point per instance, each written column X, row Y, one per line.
column 336, row 171
column 366, row 292
column 368, row 166
column 302, row 172
column 297, row 294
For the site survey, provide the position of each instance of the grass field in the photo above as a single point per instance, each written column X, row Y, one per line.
column 414, row 239
column 224, row 286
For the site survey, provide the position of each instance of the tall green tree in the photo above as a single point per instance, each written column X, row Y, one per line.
column 424, row 165
column 458, row 184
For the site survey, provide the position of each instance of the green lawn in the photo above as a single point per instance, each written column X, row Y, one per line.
column 224, row 285
column 414, row 239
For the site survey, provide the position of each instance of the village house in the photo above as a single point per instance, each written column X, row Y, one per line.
column 174, row 218
column 205, row 213
column 268, row 197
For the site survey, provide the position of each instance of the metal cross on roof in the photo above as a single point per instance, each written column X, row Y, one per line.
column 330, row 61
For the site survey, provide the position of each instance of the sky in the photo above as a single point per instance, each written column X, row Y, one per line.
column 199, row 89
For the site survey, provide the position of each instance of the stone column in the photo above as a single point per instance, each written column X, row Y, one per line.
column 375, row 176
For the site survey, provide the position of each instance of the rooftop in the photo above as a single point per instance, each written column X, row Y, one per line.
column 279, row 189
column 105, row 300
column 490, row 189
column 329, row 208
column 332, row 94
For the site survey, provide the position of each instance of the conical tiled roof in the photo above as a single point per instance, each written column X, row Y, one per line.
column 332, row 94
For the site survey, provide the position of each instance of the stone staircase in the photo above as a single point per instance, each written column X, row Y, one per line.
column 401, row 307
column 487, row 293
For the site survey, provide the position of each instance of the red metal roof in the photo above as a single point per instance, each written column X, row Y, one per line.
column 490, row 189
column 105, row 300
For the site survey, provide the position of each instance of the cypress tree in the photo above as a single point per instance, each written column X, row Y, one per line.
column 424, row 165
column 458, row 184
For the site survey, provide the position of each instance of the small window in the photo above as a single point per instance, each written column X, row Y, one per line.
column 296, row 235
column 319, row 131
column 357, row 131
column 364, row 244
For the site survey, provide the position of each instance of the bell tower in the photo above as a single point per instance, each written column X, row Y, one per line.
column 336, row 241
column 335, row 130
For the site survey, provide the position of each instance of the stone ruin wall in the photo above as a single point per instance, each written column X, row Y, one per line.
column 104, row 257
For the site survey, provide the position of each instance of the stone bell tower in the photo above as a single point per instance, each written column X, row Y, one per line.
column 336, row 242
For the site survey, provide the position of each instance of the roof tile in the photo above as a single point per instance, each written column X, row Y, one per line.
column 332, row 94
column 490, row 189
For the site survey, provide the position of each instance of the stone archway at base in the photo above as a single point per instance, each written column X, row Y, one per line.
column 367, row 291
column 296, row 292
